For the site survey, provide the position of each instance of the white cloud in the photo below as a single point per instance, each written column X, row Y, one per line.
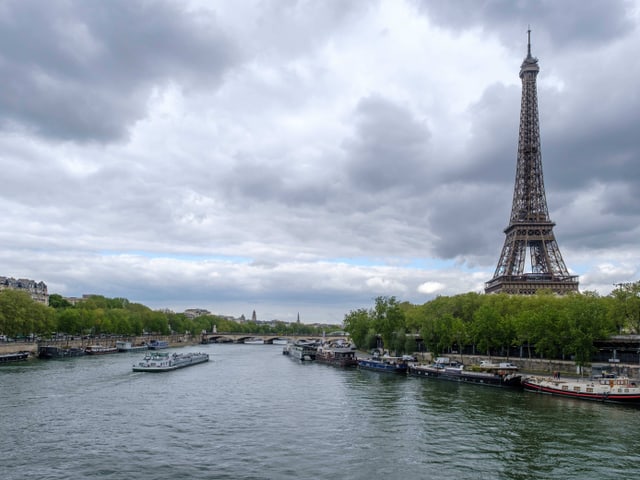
column 429, row 288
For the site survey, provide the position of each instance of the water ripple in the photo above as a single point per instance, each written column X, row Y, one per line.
column 251, row 413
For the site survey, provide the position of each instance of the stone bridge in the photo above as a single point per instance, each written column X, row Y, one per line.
column 174, row 340
column 221, row 337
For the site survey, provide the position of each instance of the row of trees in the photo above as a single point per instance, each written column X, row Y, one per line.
column 543, row 325
column 20, row 316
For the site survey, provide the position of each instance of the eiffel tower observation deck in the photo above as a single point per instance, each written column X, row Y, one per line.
column 529, row 235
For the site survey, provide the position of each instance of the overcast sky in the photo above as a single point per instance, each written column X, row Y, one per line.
column 308, row 156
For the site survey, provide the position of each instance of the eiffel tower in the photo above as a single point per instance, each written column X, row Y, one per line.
column 530, row 230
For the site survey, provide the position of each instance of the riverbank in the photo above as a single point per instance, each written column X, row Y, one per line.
column 529, row 365
column 15, row 347
column 32, row 347
column 542, row 366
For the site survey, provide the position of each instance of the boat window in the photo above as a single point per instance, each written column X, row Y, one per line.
column 565, row 387
column 576, row 388
column 589, row 390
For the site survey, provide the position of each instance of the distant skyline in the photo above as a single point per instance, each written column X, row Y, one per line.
column 306, row 157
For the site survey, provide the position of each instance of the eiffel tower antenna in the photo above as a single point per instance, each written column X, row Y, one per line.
column 530, row 230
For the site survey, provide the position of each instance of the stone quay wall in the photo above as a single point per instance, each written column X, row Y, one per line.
column 78, row 342
column 542, row 366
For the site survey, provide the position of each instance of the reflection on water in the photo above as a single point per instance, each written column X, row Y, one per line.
column 253, row 413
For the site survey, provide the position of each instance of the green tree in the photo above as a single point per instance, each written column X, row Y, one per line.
column 586, row 318
column 410, row 344
column 15, row 306
column 485, row 328
column 57, row 301
column 387, row 318
column 69, row 320
column 399, row 341
column 118, row 321
column 20, row 315
column 625, row 309
column 357, row 324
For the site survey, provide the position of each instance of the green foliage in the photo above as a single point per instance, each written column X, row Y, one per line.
column 57, row 301
column 381, row 322
column 485, row 327
column 625, row 307
column 96, row 314
column 544, row 324
column 371, row 340
column 410, row 344
column 357, row 323
column 399, row 341
column 20, row 315
column 388, row 318
column 586, row 320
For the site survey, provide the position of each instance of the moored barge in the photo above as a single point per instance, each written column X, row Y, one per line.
column 338, row 354
column 124, row 346
column 100, row 350
column 54, row 351
column 607, row 388
column 303, row 351
column 384, row 364
column 158, row 344
column 495, row 375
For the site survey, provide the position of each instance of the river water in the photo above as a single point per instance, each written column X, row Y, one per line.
column 252, row 413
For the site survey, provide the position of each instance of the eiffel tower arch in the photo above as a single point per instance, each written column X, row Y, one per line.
column 530, row 231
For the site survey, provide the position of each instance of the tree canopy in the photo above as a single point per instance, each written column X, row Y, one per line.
column 21, row 316
column 543, row 325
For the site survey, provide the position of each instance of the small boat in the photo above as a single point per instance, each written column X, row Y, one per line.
column 14, row 357
column 158, row 344
column 486, row 373
column 254, row 341
column 384, row 364
column 99, row 350
column 52, row 351
column 339, row 354
column 279, row 341
column 165, row 362
column 607, row 388
column 124, row 346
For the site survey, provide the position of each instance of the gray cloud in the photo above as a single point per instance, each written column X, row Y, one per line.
column 390, row 149
column 84, row 71
column 572, row 24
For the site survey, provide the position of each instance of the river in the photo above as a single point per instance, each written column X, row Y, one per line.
column 252, row 413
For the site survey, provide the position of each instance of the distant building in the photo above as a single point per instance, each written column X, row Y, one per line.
column 37, row 290
column 254, row 317
column 196, row 312
column 73, row 300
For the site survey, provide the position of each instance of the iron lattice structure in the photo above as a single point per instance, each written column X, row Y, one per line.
column 530, row 230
